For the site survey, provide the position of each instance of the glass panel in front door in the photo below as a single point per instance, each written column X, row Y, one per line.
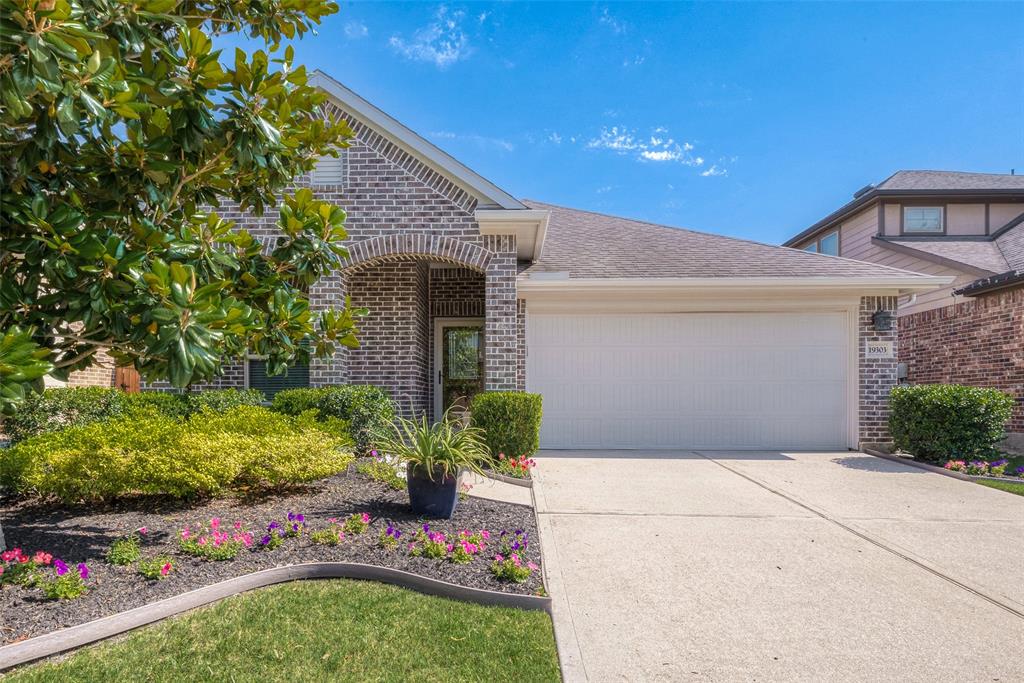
column 462, row 367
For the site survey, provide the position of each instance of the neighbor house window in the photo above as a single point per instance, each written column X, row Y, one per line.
column 826, row 244
column 922, row 219
column 257, row 377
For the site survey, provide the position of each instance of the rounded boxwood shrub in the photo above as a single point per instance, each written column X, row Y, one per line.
column 938, row 422
column 56, row 409
column 510, row 420
column 296, row 401
column 221, row 400
column 150, row 453
column 368, row 410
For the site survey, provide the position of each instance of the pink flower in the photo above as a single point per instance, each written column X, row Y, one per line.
column 83, row 571
column 515, row 560
column 42, row 558
column 333, row 520
column 366, row 518
column 165, row 570
column 215, row 523
column 531, row 565
column 501, row 456
column 185, row 533
column 373, row 453
column 143, row 530
column 485, row 534
column 202, row 540
column 450, row 547
column 238, row 525
column 499, row 558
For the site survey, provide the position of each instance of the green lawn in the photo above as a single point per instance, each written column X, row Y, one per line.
column 334, row 630
column 1011, row 486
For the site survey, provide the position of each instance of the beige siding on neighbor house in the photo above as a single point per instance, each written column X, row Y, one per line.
column 892, row 219
column 965, row 219
column 855, row 243
column 1001, row 214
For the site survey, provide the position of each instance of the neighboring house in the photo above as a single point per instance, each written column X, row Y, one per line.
column 637, row 335
column 968, row 226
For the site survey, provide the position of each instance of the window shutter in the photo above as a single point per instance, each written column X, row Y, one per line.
column 329, row 170
column 296, row 378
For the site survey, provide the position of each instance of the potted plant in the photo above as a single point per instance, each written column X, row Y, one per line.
column 435, row 456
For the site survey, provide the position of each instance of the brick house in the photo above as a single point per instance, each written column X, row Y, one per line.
column 965, row 226
column 637, row 335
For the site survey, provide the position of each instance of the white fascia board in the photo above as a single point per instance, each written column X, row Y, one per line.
column 756, row 285
column 486, row 192
column 530, row 226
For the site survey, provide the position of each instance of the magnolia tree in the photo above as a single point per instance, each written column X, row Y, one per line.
column 122, row 130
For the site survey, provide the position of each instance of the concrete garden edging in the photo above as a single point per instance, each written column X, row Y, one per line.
column 528, row 483
column 938, row 470
column 73, row 637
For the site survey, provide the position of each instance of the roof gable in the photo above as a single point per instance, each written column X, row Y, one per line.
column 487, row 194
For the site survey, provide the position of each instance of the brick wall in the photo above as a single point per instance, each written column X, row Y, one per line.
column 99, row 374
column 877, row 375
column 979, row 342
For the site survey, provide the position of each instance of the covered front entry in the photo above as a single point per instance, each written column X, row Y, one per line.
column 744, row 380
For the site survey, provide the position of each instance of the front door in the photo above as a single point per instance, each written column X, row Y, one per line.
column 458, row 364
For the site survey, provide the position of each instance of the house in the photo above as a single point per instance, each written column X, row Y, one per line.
column 637, row 335
column 965, row 226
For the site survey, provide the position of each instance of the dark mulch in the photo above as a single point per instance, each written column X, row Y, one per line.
column 83, row 533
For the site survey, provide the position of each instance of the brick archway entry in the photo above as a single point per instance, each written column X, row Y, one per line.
column 408, row 282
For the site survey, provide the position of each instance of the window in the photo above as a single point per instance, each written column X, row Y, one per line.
column 329, row 170
column 922, row 219
column 827, row 244
column 256, row 373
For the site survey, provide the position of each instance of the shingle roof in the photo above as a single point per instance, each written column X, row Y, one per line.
column 1011, row 244
column 593, row 245
column 980, row 254
column 1010, row 278
column 951, row 180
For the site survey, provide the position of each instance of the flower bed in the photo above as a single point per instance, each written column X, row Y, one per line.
column 512, row 467
column 348, row 517
column 1001, row 468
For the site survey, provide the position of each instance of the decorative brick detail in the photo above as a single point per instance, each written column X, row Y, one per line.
column 456, row 293
column 978, row 342
column 877, row 375
column 521, row 349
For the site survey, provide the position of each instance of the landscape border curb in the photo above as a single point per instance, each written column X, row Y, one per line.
column 526, row 483
column 50, row 644
column 936, row 469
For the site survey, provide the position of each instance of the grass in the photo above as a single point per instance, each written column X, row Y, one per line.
column 321, row 631
column 1011, row 486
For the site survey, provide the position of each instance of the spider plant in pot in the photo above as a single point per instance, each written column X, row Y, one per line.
column 435, row 455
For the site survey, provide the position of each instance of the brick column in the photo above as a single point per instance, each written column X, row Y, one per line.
column 520, row 344
column 500, row 314
column 877, row 375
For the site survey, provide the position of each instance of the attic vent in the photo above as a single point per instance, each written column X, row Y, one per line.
column 329, row 170
column 863, row 191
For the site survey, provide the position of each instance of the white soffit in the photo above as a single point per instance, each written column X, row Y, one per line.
column 528, row 225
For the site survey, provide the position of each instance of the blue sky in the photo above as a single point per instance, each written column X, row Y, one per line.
column 747, row 119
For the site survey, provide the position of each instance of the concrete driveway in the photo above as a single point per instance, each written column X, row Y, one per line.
column 718, row 566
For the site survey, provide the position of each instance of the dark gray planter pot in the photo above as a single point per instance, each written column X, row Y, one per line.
column 435, row 498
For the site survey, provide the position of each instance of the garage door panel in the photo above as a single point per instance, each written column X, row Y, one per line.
column 698, row 380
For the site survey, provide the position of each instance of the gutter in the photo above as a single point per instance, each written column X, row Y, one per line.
column 1010, row 278
column 905, row 285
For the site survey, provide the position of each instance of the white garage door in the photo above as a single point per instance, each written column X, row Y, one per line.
column 691, row 380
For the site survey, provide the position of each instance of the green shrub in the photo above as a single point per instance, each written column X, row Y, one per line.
column 382, row 471
column 124, row 551
column 149, row 453
column 510, row 421
column 56, row 409
column 221, row 400
column 368, row 411
column 167, row 403
column 936, row 422
column 296, row 401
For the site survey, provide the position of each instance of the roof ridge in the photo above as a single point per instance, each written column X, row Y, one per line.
column 530, row 202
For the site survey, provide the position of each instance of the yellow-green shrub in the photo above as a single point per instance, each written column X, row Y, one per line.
column 156, row 454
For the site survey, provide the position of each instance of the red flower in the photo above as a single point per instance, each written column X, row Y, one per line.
column 42, row 558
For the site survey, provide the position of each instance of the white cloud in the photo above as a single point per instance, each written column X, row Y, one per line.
column 616, row 25
column 442, row 41
column 356, row 29
column 482, row 17
column 657, row 147
column 714, row 170
column 555, row 138
column 635, row 61
column 473, row 138
column 604, row 189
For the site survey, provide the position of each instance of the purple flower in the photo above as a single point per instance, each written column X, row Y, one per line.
column 1020, row 470
column 291, row 516
column 61, row 568
column 998, row 463
column 518, row 531
column 300, row 518
column 273, row 525
column 265, row 540
column 83, row 571
column 426, row 528
column 295, row 528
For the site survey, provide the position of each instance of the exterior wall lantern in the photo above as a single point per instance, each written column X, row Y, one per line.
column 882, row 320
